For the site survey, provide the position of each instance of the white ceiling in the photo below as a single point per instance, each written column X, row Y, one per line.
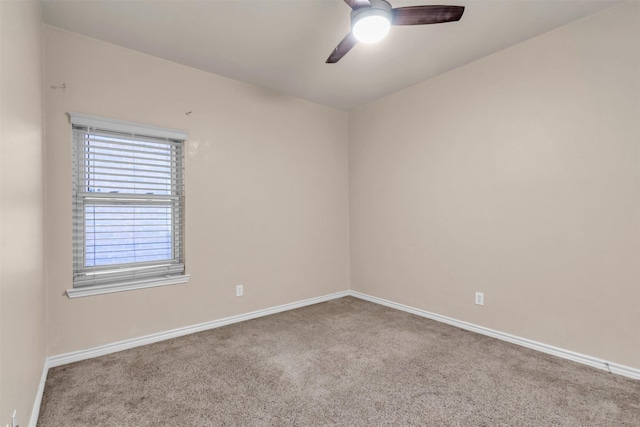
column 283, row 44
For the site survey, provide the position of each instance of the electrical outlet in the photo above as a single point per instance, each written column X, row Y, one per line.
column 479, row 298
column 239, row 290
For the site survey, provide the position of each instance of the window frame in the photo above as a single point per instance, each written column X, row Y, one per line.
column 125, row 276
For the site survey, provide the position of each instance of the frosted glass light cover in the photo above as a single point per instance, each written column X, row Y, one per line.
column 371, row 29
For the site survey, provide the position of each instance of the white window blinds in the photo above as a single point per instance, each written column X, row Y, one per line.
column 128, row 202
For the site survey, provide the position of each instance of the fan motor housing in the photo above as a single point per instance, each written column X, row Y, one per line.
column 377, row 8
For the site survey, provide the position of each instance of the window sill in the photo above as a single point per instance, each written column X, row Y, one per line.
column 126, row 286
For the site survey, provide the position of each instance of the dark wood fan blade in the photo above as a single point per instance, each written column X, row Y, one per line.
column 357, row 4
column 341, row 50
column 420, row 15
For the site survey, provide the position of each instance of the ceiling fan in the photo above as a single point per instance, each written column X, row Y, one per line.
column 371, row 20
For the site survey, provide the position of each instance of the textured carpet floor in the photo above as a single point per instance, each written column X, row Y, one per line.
column 345, row 362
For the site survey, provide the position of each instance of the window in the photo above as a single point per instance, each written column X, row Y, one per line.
column 128, row 206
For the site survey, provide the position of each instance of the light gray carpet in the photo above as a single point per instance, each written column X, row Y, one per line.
column 345, row 362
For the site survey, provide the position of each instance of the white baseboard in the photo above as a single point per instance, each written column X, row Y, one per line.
column 75, row 356
column 614, row 368
column 35, row 411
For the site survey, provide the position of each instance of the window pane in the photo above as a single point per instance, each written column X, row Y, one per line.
column 115, row 165
column 127, row 233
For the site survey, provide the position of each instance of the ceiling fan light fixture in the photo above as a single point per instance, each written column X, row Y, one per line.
column 371, row 20
column 371, row 29
column 371, row 24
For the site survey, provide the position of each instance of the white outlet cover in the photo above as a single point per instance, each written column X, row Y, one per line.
column 479, row 298
column 239, row 290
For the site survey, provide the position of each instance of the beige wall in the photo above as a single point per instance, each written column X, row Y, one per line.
column 518, row 176
column 22, row 291
column 266, row 187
